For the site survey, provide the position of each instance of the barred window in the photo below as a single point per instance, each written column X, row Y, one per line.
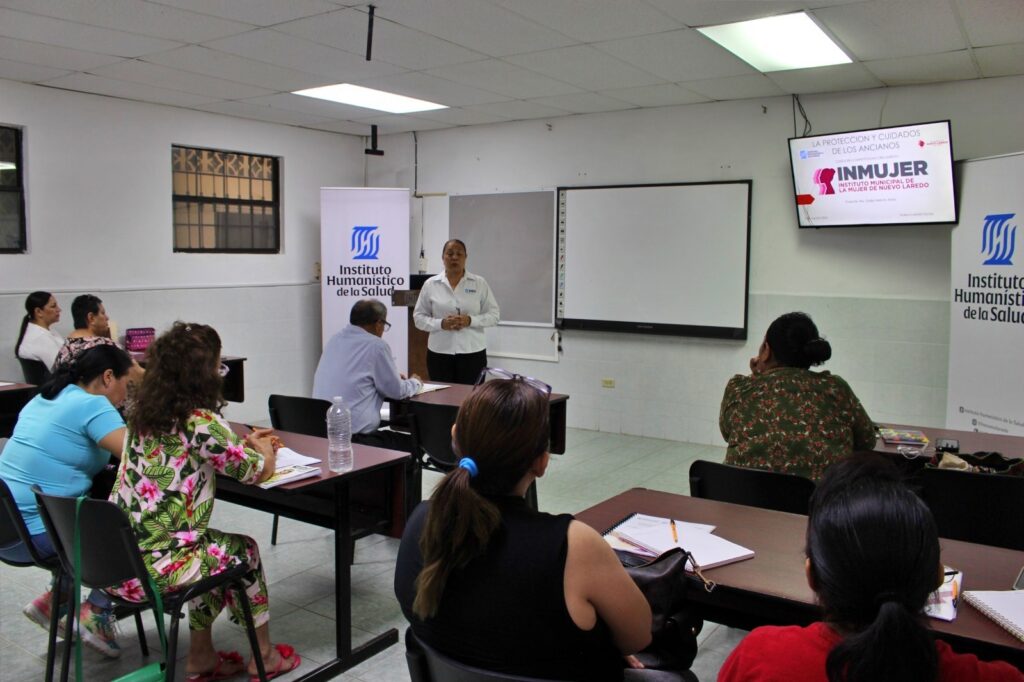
column 12, row 192
column 225, row 201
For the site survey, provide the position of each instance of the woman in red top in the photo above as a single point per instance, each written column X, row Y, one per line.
column 872, row 561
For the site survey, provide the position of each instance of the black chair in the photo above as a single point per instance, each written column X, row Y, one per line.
column 11, row 402
column 299, row 415
column 431, row 428
column 35, row 371
column 752, row 487
column 428, row 665
column 984, row 508
column 111, row 555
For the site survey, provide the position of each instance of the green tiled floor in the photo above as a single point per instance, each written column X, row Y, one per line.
column 300, row 569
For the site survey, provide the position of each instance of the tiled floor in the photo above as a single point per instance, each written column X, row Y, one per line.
column 301, row 574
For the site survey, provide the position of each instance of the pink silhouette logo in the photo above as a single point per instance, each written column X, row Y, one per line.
column 823, row 176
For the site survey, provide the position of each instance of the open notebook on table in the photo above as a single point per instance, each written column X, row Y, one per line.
column 652, row 536
column 1005, row 607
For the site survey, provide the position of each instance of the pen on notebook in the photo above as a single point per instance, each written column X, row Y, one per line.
column 675, row 533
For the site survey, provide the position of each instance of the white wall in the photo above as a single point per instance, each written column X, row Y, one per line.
column 99, row 217
column 880, row 294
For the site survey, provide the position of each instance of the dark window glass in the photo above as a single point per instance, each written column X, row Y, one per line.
column 12, row 192
column 225, row 201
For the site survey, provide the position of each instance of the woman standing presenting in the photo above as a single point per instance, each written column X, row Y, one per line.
column 454, row 308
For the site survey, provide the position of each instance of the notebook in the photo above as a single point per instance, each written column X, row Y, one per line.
column 1005, row 607
column 651, row 536
column 903, row 437
column 295, row 472
column 943, row 602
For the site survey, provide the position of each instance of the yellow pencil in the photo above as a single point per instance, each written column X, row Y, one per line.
column 672, row 525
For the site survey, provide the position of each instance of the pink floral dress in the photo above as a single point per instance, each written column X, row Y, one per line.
column 166, row 484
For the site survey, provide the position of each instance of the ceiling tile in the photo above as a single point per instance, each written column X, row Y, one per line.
column 460, row 117
column 135, row 16
column 392, row 43
column 503, row 78
column 347, row 127
column 656, row 95
column 28, row 73
column 52, row 56
column 68, row 34
column 84, row 82
column 390, row 124
column 311, row 106
column 281, row 49
column 432, row 89
column 825, row 79
column 678, row 56
column 992, row 22
column 593, row 20
column 736, row 87
column 881, row 29
column 931, row 68
column 203, row 60
column 518, row 109
column 258, row 12
column 1001, row 60
column 261, row 113
column 473, row 24
column 584, row 102
column 585, row 67
column 704, row 13
column 136, row 71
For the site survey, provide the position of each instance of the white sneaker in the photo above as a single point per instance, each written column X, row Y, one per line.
column 99, row 630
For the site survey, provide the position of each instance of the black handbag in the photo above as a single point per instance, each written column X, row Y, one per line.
column 676, row 621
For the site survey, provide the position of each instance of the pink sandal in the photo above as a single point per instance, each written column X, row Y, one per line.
column 288, row 661
column 224, row 659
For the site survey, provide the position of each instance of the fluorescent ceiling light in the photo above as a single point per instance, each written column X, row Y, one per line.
column 7, row 165
column 358, row 96
column 789, row 41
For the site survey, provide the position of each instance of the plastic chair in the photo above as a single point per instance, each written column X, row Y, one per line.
column 752, row 487
column 299, row 415
column 35, row 371
column 984, row 508
column 111, row 555
column 428, row 665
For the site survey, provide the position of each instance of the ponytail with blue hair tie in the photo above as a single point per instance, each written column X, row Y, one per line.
column 469, row 465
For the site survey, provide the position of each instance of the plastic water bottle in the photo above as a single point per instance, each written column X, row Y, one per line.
column 339, row 436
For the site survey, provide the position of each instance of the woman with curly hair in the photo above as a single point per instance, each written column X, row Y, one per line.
column 177, row 443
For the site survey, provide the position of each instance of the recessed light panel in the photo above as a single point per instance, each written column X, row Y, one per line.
column 788, row 41
column 358, row 96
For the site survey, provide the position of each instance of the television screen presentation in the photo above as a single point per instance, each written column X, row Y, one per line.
column 884, row 176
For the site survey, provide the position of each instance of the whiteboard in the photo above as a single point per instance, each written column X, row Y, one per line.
column 657, row 259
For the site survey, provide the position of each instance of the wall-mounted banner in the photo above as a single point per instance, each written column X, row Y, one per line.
column 364, row 252
column 986, row 325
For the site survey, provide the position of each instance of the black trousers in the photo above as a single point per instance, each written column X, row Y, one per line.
column 461, row 368
column 391, row 440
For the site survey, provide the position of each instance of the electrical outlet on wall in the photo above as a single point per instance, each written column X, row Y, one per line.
column 607, row 383
column 316, row 271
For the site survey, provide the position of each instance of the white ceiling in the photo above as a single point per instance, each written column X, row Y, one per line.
column 489, row 60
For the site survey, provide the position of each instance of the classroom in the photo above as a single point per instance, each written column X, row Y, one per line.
column 542, row 95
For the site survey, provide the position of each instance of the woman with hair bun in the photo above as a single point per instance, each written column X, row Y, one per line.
column 873, row 561
column 489, row 582
column 784, row 417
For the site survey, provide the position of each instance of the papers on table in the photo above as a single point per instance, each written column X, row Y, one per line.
column 286, row 457
column 652, row 536
column 6, row 383
column 295, row 472
column 427, row 388
column 943, row 602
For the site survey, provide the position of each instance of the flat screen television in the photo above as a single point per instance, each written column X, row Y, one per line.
column 901, row 175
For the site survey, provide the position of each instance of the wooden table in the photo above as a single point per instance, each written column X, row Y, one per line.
column 771, row 588
column 324, row 502
column 970, row 441
column 456, row 393
column 12, row 398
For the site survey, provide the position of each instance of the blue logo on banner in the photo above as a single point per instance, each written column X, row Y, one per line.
column 998, row 239
column 365, row 242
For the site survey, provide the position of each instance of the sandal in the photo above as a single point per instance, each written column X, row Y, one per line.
column 229, row 664
column 288, row 660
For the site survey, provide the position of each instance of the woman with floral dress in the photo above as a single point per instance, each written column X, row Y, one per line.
column 177, row 444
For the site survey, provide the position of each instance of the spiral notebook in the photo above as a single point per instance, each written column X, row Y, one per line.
column 651, row 536
column 1005, row 607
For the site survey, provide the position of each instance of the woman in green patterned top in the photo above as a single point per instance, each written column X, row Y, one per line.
column 177, row 443
column 784, row 417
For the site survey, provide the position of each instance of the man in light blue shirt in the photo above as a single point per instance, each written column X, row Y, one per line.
column 357, row 365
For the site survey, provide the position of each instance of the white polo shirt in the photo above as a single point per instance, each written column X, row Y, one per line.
column 40, row 344
column 471, row 296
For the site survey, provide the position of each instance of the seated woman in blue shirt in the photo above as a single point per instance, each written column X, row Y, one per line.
column 64, row 437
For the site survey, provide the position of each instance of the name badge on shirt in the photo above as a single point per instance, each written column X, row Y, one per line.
column 470, row 291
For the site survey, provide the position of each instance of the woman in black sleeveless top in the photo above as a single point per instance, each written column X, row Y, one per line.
column 491, row 583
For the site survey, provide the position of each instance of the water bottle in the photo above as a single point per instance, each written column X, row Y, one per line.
column 339, row 436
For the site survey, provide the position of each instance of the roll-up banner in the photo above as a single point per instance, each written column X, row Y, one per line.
column 986, row 325
column 364, row 252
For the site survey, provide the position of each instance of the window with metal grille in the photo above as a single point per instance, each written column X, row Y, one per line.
column 225, row 201
column 12, row 192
